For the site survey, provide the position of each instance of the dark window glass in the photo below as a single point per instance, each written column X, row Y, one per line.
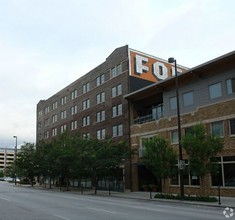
column 232, row 126
column 229, row 174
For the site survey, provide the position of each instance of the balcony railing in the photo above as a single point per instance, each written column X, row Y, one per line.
column 148, row 118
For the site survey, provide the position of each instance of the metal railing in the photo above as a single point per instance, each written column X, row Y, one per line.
column 148, row 118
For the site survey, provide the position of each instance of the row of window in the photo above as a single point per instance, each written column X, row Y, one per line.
column 117, row 131
column 215, row 91
column 117, row 70
column 217, row 129
column 224, row 177
column 115, row 91
column 117, row 110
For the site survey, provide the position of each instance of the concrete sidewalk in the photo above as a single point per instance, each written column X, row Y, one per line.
column 224, row 201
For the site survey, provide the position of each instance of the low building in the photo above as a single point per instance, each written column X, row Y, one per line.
column 206, row 95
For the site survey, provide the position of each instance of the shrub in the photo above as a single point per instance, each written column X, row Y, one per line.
column 188, row 198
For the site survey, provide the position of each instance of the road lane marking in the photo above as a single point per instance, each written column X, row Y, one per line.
column 59, row 216
column 101, row 210
column 5, row 199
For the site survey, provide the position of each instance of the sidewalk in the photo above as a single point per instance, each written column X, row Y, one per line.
column 224, row 201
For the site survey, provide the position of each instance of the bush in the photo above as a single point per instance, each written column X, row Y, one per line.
column 188, row 198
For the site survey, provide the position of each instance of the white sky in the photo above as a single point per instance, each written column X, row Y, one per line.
column 47, row 44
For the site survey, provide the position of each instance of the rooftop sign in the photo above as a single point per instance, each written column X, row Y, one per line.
column 149, row 67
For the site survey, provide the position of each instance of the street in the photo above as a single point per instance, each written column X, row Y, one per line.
column 27, row 203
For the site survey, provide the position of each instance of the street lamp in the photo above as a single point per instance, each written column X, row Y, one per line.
column 15, row 157
column 181, row 162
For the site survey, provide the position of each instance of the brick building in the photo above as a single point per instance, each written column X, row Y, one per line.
column 94, row 105
column 206, row 95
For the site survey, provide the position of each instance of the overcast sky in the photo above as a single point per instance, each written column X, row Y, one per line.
column 47, row 44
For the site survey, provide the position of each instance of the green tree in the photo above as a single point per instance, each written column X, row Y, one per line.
column 200, row 148
column 160, row 158
column 26, row 163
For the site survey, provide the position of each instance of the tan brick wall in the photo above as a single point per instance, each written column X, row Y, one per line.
column 222, row 111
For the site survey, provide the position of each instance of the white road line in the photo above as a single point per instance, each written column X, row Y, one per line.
column 101, row 210
column 59, row 216
column 5, row 199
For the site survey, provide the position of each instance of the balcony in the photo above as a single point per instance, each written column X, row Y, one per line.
column 148, row 118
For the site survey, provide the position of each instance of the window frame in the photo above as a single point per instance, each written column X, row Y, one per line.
column 214, row 91
column 185, row 99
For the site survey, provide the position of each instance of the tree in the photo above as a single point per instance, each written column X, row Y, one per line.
column 25, row 162
column 200, row 148
column 160, row 158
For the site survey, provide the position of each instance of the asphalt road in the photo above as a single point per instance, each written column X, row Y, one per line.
column 19, row 203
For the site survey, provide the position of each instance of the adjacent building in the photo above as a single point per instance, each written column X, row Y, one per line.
column 206, row 95
column 94, row 105
column 6, row 157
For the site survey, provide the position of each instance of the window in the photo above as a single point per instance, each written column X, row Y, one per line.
column 63, row 115
column 117, row 70
column 63, row 100
column 117, row 130
column 142, row 145
column 217, row 129
column 188, row 99
column 40, row 113
column 54, row 106
column 230, row 86
column 86, row 121
column 86, row 104
column 54, row 132
column 62, row 129
column 117, row 110
column 117, row 90
column 86, row 88
column 86, row 136
column 100, row 98
column 232, row 126
column 100, row 116
column 189, row 178
column 74, row 94
column 100, row 134
column 173, row 103
column 174, row 137
column 74, row 110
column 225, row 175
column 47, row 110
column 100, row 80
column 47, row 122
column 54, row 118
column 46, row 134
column 215, row 91
column 157, row 111
column 74, row 125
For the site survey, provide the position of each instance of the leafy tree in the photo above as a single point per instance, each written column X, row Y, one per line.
column 1, row 173
column 26, row 163
column 69, row 157
column 200, row 148
column 160, row 158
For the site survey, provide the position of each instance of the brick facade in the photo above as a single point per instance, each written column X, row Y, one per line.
column 210, row 111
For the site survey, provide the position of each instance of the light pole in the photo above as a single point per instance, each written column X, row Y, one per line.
column 15, row 157
column 181, row 162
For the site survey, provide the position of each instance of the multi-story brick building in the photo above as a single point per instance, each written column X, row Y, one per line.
column 206, row 95
column 94, row 105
